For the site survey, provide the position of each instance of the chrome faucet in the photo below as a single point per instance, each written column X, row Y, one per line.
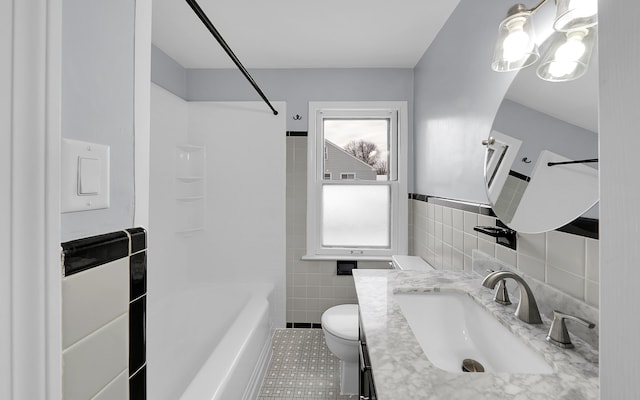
column 527, row 309
column 558, row 333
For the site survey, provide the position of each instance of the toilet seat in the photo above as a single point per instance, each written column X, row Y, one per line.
column 342, row 321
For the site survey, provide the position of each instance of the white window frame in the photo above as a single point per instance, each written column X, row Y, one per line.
column 397, row 182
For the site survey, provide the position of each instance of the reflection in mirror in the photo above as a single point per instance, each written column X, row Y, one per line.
column 539, row 123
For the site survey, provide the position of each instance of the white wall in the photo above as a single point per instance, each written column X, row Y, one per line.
column 6, row 61
column 619, row 43
column 168, row 252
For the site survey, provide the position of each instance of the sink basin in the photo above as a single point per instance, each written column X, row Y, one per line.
column 451, row 327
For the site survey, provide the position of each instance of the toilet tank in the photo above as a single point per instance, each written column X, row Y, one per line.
column 410, row 263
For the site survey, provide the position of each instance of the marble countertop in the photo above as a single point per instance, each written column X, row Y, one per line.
column 402, row 371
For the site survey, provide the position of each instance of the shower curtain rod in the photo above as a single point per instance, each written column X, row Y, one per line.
column 205, row 20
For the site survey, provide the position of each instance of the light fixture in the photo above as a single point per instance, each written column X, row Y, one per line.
column 575, row 14
column 568, row 57
column 516, row 47
column 569, row 54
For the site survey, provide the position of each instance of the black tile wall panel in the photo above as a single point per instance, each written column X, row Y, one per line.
column 137, row 334
column 138, row 274
column 138, row 385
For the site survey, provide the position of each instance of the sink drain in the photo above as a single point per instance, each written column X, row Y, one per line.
column 470, row 365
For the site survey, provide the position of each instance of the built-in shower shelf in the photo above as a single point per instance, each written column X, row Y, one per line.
column 190, row 178
column 190, row 198
column 190, row 230
column 190, row 173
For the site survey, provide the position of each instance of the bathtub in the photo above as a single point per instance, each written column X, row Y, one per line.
column 212, row 342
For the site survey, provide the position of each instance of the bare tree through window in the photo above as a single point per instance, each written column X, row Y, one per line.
column 367, row 152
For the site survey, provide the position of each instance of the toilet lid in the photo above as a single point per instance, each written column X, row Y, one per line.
column 342, row 321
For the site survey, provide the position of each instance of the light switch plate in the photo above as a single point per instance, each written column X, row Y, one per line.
column 85, row 176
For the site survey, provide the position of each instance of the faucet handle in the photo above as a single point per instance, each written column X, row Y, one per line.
column 502, row 295
column 558, row 333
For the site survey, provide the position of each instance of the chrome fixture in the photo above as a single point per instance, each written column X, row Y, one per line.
column 558, row 333
column 570, row 51
column 527, row 309
column 502, row 294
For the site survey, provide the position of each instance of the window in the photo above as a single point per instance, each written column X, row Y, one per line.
column 348, row 175
column 363, row 214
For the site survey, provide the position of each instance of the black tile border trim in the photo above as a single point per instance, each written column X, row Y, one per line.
column 587, row 227
column 86, row 253
column 519, row 176
column 297, row 133
column 138, row 239
column 308, row 325
column 482, row 209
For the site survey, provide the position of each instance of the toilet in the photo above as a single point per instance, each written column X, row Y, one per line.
column 340, row 327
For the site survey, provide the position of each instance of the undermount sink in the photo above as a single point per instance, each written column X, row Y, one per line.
column 451, row 328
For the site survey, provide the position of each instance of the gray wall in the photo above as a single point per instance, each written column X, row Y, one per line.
column 457, row 96
column 540, row 131
column 295, row 86
column 97, row 102
column 167, row 73
column 299, row 86
column 339, row 161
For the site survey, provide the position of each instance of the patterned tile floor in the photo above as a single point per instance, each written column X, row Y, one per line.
column 302, row 367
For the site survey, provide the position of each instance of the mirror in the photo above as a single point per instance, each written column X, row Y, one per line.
column 538, row 125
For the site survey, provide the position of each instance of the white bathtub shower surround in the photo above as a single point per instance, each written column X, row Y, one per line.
column 209, row 342
column 207, row 331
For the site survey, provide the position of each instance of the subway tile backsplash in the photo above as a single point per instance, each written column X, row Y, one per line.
column 565, row 261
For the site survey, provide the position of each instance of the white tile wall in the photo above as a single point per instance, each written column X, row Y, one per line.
column 84, row 308
column 96, row 360
column 118, row 389
column 562, row 260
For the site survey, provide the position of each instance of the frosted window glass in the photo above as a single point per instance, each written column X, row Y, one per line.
column 355, row 216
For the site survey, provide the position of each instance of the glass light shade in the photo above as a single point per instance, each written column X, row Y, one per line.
column 568, row 56
column 575, row 14
column 516, row 47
